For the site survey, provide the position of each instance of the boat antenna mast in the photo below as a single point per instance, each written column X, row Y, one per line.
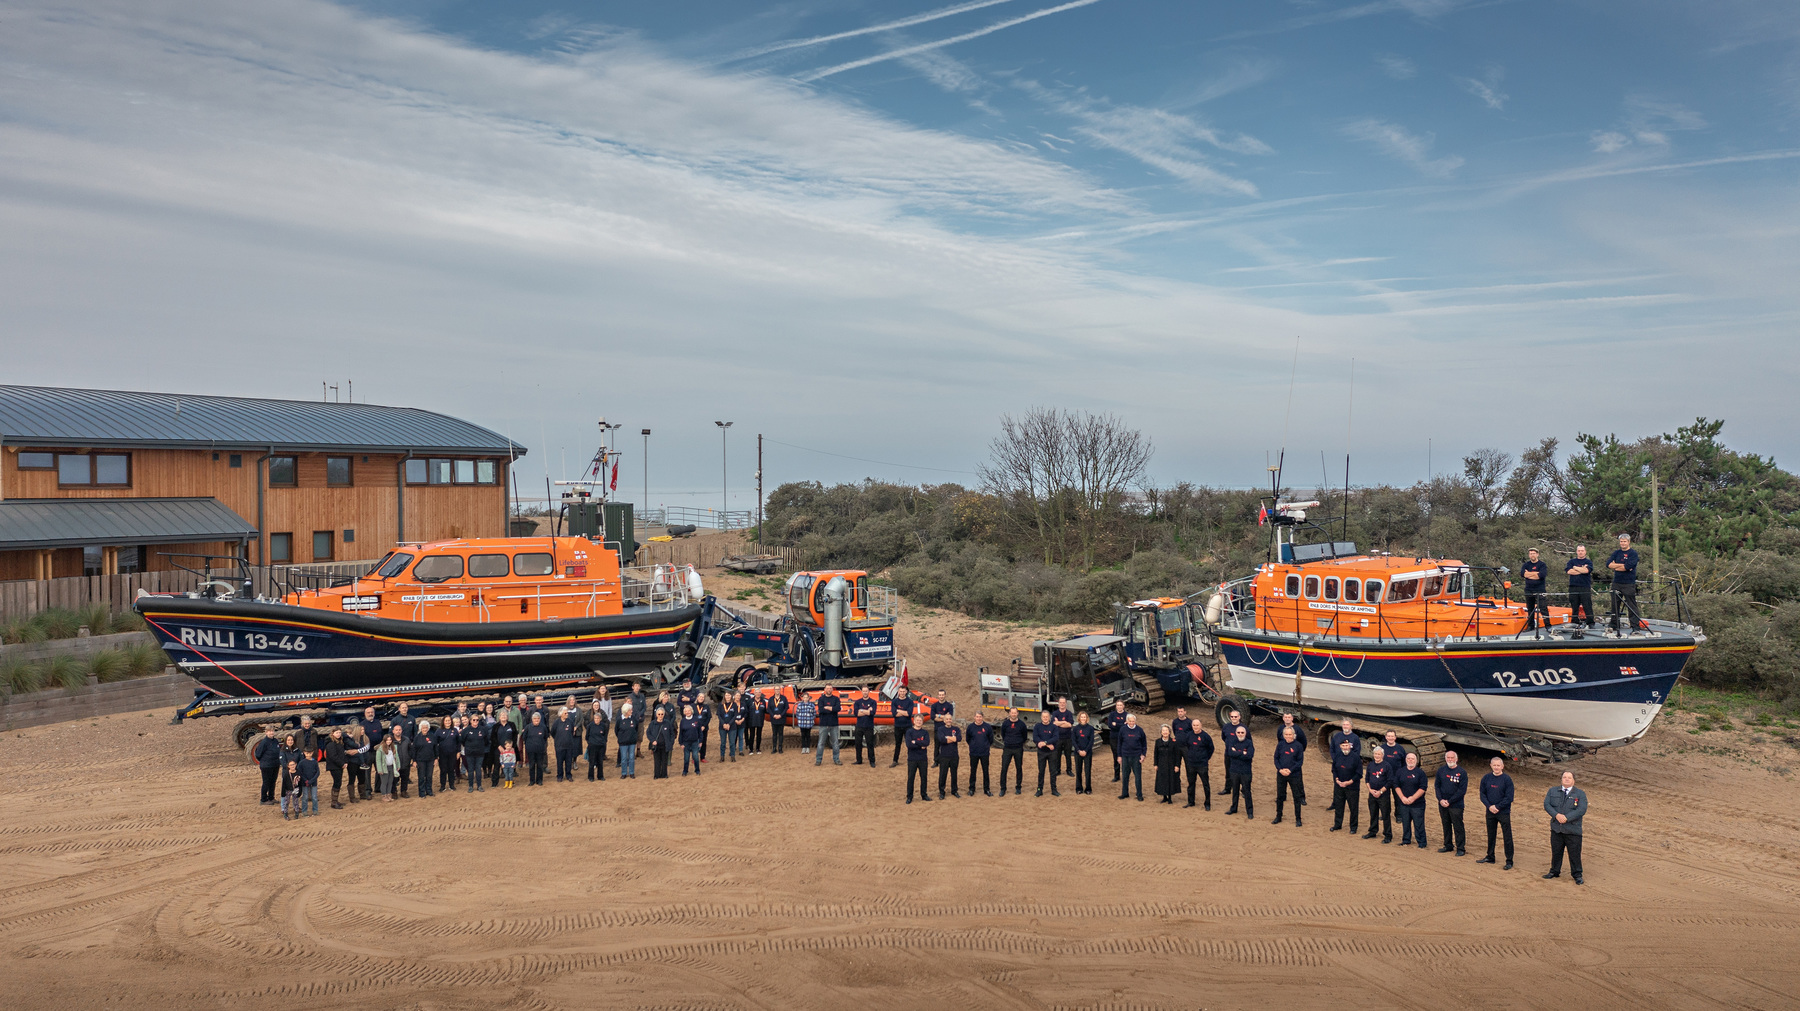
column 593, row 483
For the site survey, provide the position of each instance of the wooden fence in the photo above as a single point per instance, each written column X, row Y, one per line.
column 22, row 598
column 58, row 704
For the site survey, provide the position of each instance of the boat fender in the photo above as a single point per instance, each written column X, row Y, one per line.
column 1215, row 608
column 696, row 589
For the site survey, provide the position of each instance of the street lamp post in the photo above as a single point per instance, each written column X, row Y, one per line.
column 724, row 475
column 646, row 434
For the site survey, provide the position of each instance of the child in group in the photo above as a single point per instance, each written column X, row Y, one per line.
column 509, row 764
column 290, row 798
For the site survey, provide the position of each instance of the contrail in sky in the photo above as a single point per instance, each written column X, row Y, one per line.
column 894, row 54
column 907, row 22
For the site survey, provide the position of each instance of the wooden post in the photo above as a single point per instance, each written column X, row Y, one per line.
column 1655, row 542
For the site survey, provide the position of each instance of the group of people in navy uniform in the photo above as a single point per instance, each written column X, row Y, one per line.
column 1622, row 566
column 484, row 743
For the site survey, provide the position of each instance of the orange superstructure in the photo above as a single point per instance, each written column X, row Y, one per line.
column 497, row 579
column 1382, row 597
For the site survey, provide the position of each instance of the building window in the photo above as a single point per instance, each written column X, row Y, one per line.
column 417, row 472
column 37, row 461
column 73, row 469
column 440, row 471
column 281, row 471
column 465, row 471
column 337, row 471
column 107, row 470
column 93, row 558
column 237, row 460
column 349, row 536
column 322, row 542
column 484, row 472
column 281, row 549
column 112, row 469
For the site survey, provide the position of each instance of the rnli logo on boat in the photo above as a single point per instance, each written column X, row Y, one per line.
column 362, row 603
column 1629, row 672
column 431, row 598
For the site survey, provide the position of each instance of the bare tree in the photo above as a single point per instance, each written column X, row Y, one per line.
column 1486, row 470
column 1064, row 469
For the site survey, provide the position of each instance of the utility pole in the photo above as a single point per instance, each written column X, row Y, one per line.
column 647, row 476
column 724, row 475
column 759, row 495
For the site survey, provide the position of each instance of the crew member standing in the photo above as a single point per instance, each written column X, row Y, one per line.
column 829, row 707
column 1065, row 735
column 1379, row 780
column 1181, row 728
column 1240, row 751
column 1083, row 744
column 1581, row 587
column 1346, row 773
column 1199, row 753
column 536, row 739
column 1167, row 757
column 564, row 733
column 1624, row 583
column 1452, row 785
column 1013, row 735
column 1409, row 790
column 1565, row 805
column 1347, row 732
column 1290, row 758
column 918, row 744
column 863, row 708
column 1496, row 799
column 1534, row 572
column 449, row 750
column 425, row 741
column 778, row 714
column 949, row 757
column 1044, row 737
column 1115, row 728
column 1132, row 747
column 980, row 736
column 267, row 756
column 1233, row 720
column 903, row 708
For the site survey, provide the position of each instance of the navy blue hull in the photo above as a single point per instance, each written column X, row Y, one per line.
column 242, row 648
column 1592, row 691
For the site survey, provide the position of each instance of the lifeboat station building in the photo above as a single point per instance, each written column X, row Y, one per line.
column 99, row 482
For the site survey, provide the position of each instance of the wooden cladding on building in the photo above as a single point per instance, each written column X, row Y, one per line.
column 365, row 517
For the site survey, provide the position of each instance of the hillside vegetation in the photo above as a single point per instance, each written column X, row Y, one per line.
column 1061, row 526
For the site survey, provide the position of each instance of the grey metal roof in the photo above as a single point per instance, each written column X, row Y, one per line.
column 76, row 522
column 54, row 416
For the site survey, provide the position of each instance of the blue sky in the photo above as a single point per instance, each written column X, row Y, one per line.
column 871, row 228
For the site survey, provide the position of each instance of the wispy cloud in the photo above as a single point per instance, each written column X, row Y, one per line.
column 885, row 26
column 1157, row 137
column 1487, row 90
column 894, row 54
column 1417, row 8
column 1397, row 67
column 1397, row 142
column 1646, row 121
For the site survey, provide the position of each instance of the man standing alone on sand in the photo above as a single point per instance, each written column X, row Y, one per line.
column 1566, row 805
column 1496, row 800
column 1452, row 785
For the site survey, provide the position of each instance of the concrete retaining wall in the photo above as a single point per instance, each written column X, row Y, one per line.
column 32, row 652
column 59, row 704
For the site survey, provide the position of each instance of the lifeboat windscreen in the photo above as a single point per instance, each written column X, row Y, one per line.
column 394, row 564
column 437, row 568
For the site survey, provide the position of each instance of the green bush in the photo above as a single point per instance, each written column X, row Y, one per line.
column 65, row 671
column 59, row 623
column 145, row 659
column 21, row 676
column 110, row 665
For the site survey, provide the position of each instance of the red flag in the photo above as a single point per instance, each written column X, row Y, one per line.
column 1262, row 516
column 615, row 476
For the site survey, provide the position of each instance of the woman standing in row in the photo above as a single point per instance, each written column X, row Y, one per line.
column 1168, row 766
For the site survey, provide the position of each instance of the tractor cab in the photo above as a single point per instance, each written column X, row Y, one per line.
column 1160, row 632
column 806, row 596
column 1089, row 669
